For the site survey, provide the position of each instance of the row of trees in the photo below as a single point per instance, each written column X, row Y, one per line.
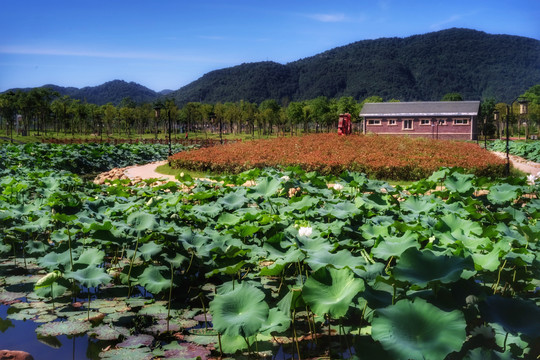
column 45, row 112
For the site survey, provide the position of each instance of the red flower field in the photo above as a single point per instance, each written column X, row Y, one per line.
column 383, row 157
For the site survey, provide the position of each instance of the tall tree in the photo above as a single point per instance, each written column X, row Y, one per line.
column 453, row 96
column 295, row 114
column 8, row 111
column 269, row 110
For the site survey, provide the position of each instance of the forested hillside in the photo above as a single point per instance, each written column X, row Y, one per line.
column 420, row 67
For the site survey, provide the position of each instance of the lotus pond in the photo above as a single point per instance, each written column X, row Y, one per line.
column 298, row 265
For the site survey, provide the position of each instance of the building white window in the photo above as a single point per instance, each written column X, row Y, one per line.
column 407, row 124
column 374, row 122
column 392, row 122
column 461, row 121
column 441, row 121
column 425, row 122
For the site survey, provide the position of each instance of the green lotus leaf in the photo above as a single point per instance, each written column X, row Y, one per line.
column 35, row 247
column 452, row 222
column 231, row 344
column 513, row 314
column 378, row 201
column 91, row 256
column 330, row 291
column 470, row 241
column 9, row 296
column 153, row 280
column 460, row 183
column 161, row 326
column 265, row 188
column 503, row 193
column 419, row 204
column 241, row 311
column 418, row 330
column 342, row 210
column 90, row 276
column 343, row 258
column 175, row 350
column 176, row 261
column 422, row 267
column 5, row 325
column 5, row 248
column 277, row 322
column 143, row 353
column 67, row 327
column 233, row 200
column 53, row 260
column 395, row 245
column 141, row 221
column 307, row 202
column 135, row 341
column 210, row 210
column 370, row 230
column 48, row 279
column 228, row 219
column 291, row 301
column 149, row 249
column 488, row 261
column 108, row 332
column 58, row 289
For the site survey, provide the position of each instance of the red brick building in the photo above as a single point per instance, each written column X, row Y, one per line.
column 455, row 120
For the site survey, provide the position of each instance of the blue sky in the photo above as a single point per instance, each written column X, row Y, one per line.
column 167, row 44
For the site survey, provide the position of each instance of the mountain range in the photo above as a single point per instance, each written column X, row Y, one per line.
column 421, row 67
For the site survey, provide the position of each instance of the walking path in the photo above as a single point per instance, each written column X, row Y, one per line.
column 147, row 171
column 522, row 164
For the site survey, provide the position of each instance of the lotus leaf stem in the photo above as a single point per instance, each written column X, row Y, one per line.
column 170, row 296
column 498, row 278
column 69, row 244
column 131, row 266
column 204, row 311
column 190, row 261
column 294, row 334
column 219, row 341
column 89, row 299
column 52, row 295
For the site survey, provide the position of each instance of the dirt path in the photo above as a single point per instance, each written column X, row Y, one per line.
column 147, row 171
column 519, row 163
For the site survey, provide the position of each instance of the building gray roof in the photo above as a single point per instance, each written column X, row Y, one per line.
column 422, row 108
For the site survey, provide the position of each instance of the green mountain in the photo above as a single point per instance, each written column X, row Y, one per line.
column 421, row 67
column 111, row 91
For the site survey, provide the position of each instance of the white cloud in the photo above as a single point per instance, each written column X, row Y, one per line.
column 30, row 50
column 445, row 22
column 328, row 17
column 450, row 20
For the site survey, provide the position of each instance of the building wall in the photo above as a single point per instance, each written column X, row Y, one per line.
column 431, row 127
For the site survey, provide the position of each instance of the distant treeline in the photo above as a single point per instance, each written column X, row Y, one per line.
column 42, row 110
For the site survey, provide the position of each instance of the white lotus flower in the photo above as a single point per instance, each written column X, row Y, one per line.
column 338, row 187
column 531, row 179
column 285, row 178
column 305, row 231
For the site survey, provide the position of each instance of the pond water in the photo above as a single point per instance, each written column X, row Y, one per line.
column 21, row 335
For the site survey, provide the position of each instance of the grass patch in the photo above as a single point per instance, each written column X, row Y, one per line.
column 165, row 169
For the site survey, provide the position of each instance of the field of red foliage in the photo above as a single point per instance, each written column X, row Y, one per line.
column 382, row 157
